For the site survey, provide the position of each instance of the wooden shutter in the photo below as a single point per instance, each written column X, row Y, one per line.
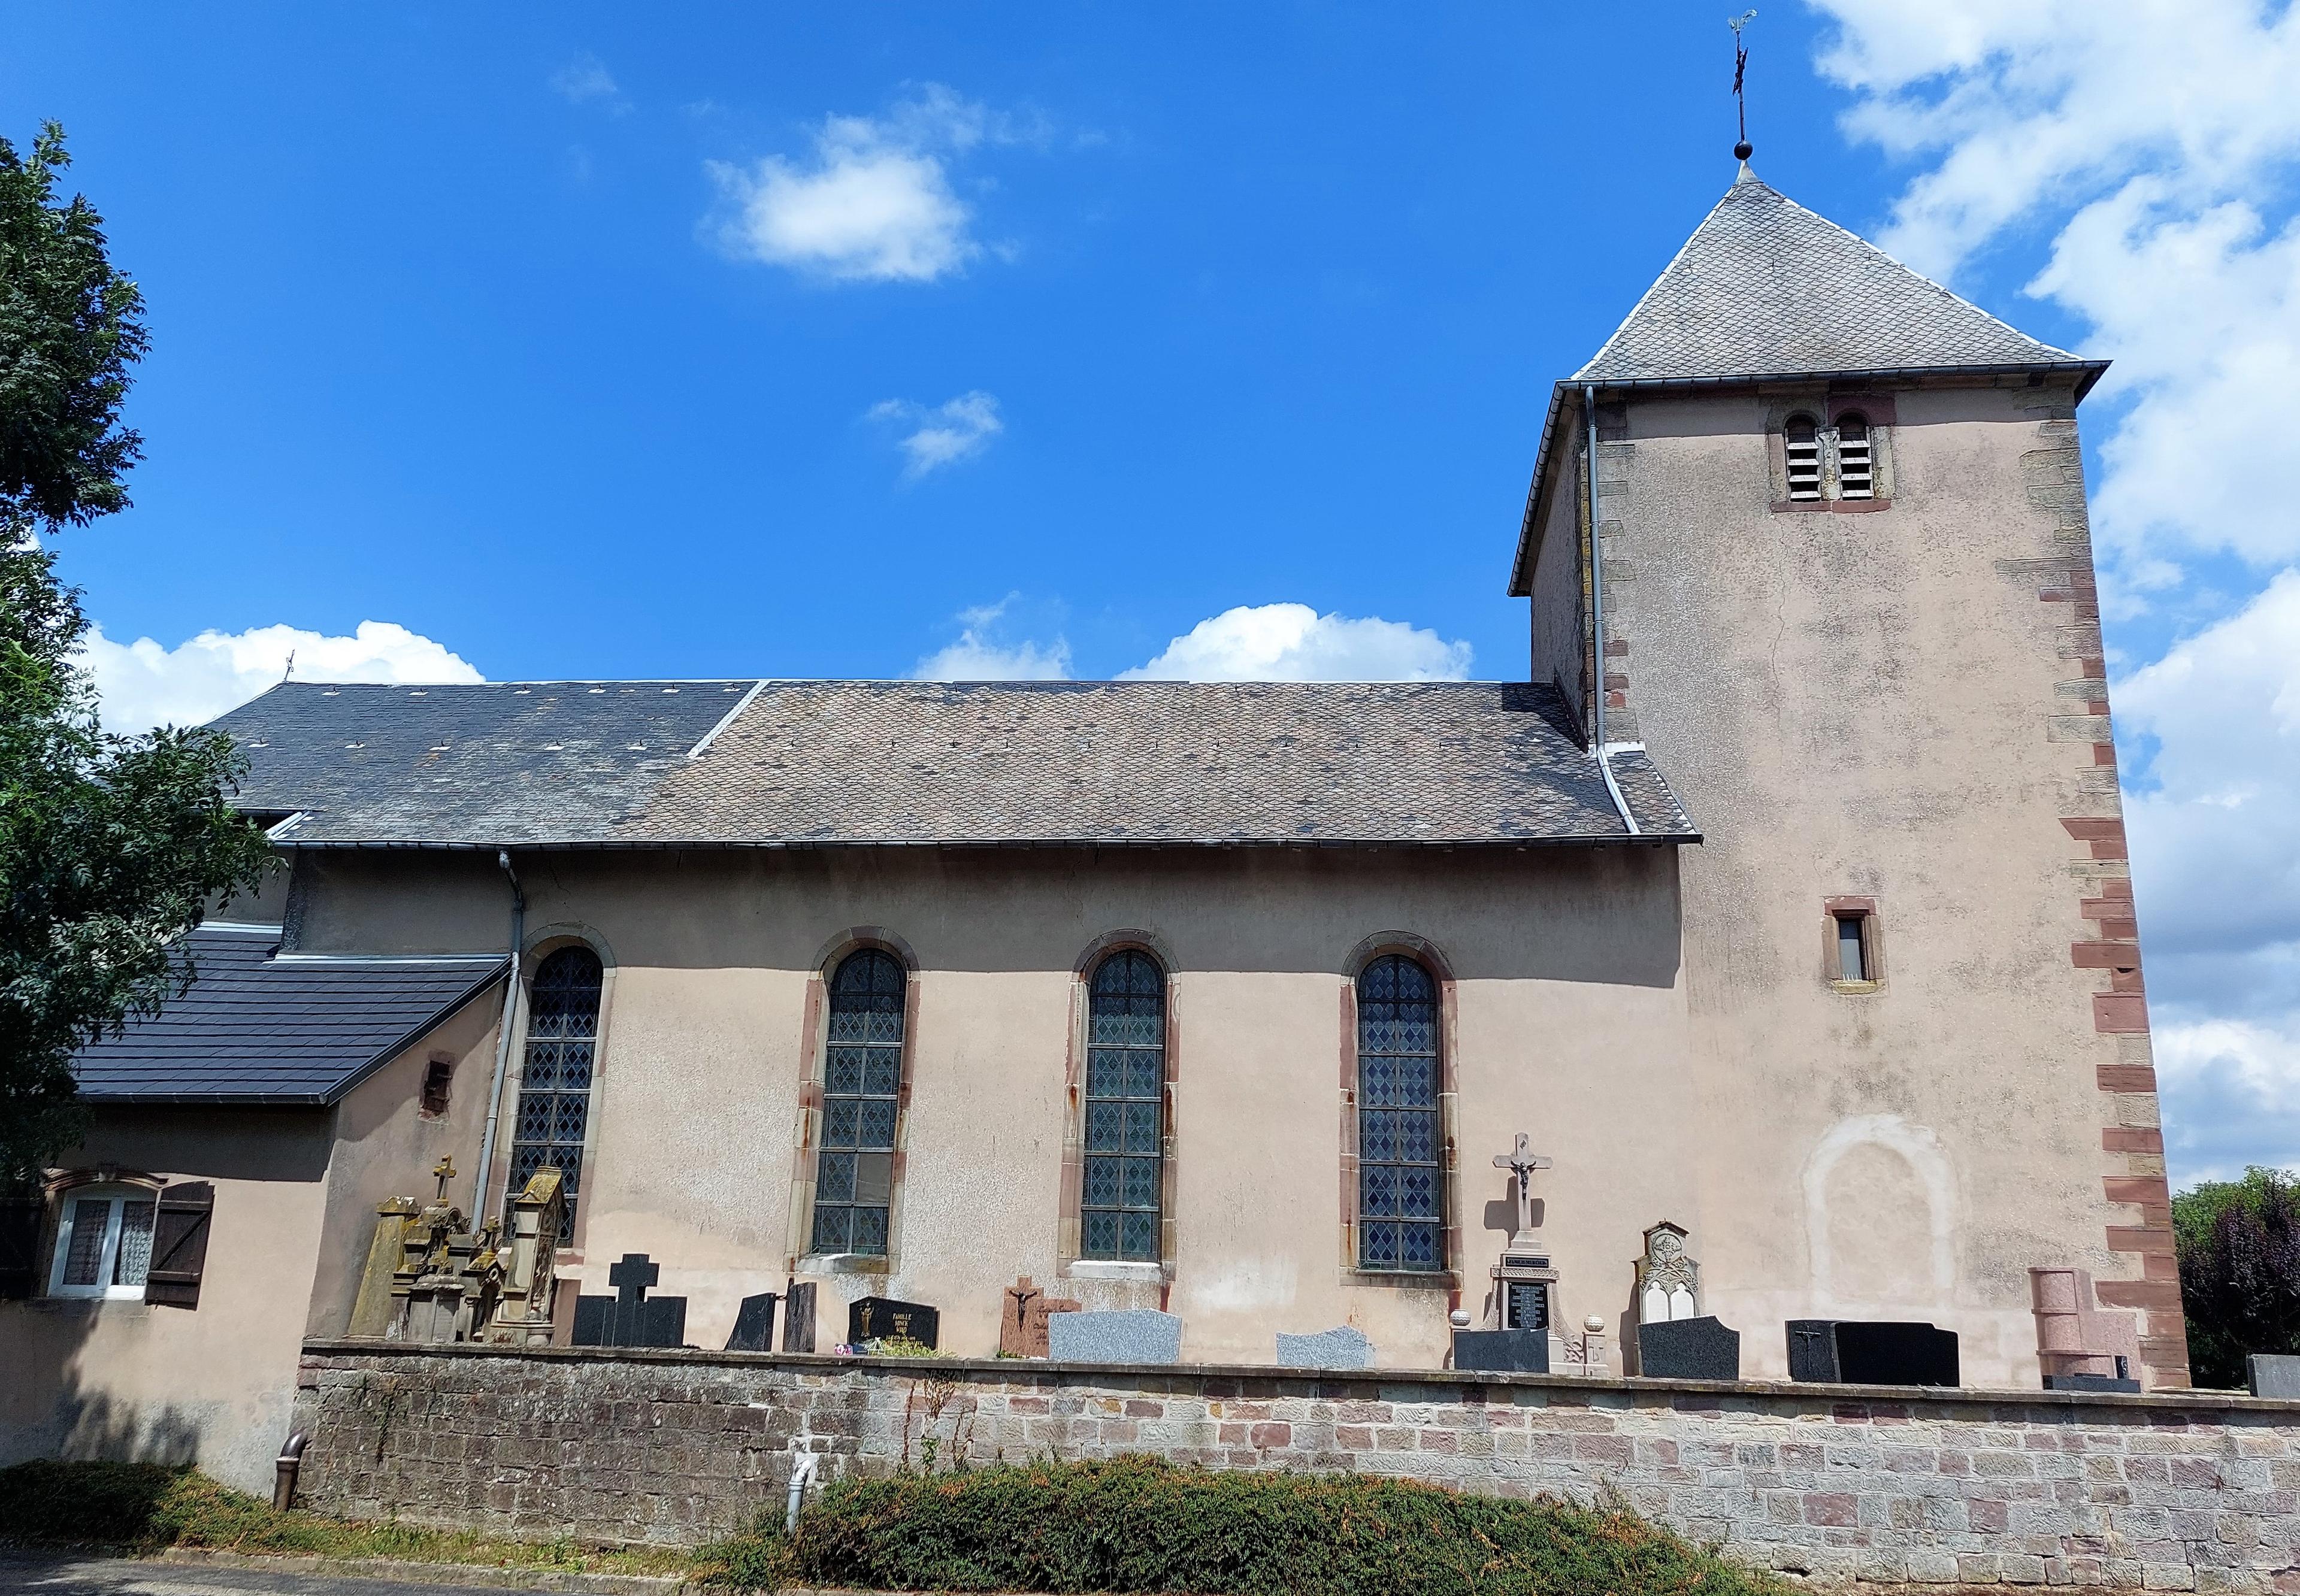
column 179, row 1245
column 20, row 1246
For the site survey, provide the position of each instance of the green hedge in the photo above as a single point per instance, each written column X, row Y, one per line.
column 1140, row 1523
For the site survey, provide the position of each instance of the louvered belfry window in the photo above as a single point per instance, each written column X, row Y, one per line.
column 1802, row 445
column 862, row 1084
column 1125, row 1109
column 1856, row 476
column 1401, row 1209
column 555, row 1076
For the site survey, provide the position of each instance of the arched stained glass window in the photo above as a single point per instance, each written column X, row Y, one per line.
column 1119, row 1210
column 554, row 1075
column 861, row 1080
column 1401, row 1195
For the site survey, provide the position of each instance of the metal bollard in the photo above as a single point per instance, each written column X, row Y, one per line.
column 291, row 1459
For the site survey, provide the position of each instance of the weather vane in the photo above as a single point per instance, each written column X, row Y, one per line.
column 1743, row 150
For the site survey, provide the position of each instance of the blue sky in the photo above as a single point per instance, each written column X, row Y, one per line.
column 727, row 340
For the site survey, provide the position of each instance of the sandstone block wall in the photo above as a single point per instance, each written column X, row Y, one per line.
column 2187, row 1492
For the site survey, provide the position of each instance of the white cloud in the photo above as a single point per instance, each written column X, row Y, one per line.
column 873, row 202
column 1293, row 642
column 586, row 80
column 142, row 685
column 2232, row 1097
column 981, row 653
column 942, row 433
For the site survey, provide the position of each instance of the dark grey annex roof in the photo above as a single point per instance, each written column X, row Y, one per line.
column 1766, row 288
column 833, row 763
column 499, row 762
column 258, row 1027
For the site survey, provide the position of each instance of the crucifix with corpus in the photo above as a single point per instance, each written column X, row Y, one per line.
column 1522, row 1161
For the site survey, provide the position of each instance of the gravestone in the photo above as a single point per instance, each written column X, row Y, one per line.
column 631, row 1318
column 1698, row 1349
column 2274, row 1375
column 1812, row 1350
column 1892, row 1352
column 1126, row 1336
column 799, row 1317
column 1668, row 1283
column 2123, row 1383
column 754, row 1325
column 1345, row 1346
column 1022, row 1323
column 877, row 1319
column 1501, row 1352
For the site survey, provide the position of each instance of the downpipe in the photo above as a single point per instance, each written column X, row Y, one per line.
column 482, row 1193
column 802, row 1475
column 283, row 1482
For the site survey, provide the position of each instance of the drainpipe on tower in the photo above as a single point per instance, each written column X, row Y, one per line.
column 1597, row 615
column 483, row 1190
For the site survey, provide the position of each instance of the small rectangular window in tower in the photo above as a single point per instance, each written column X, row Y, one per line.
column 1852, row 943
column 438, row 1076
column 1801, row 447
column 1856, row 475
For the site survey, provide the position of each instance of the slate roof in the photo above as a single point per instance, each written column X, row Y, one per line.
column 818, row 763
column 500, row 762
column 1766, row 288
column 255, row 1027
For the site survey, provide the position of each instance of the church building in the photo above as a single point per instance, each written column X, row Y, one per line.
column 1779, row 901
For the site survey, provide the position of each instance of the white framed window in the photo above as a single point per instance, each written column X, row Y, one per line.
column 104, row 1243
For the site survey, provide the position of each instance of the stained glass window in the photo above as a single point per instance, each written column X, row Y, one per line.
column 1401, row 1206
column 554, row 1077
column 861, row 1080
column 1125, row 1109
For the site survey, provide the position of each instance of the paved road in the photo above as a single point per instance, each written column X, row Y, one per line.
column 62, row 1576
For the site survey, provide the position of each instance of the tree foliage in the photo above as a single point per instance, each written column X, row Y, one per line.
column 2239, row 1247
column 110, row 846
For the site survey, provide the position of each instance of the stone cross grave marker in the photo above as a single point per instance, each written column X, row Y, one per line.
column 1522, row 1161
column 631, row 1318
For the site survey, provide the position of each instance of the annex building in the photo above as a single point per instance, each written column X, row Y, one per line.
column 1779, row 901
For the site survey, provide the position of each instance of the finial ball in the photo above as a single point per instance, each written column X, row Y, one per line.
column 1743, row 150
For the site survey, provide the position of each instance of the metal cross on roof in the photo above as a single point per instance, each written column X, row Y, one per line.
column 1743, row 149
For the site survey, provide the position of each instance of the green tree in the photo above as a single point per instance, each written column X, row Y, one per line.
column 2239, row 1247
column 110, row 846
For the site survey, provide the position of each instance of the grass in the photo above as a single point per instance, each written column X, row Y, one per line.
column 146, row 1508
column 1141, row 1524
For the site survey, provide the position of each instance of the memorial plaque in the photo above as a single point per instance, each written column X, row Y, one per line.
column 1128, row 1335
column 1345, row 1346
column 1526, row 1304
column 1812, row 1349
column 1894, row 1352
column 754, row 1325
column 1698, row 1349
column 799, row 1317
column 1501, row 1352
column 879, row 1318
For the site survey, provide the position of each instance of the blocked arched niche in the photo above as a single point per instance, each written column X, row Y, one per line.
column 1880, row 1206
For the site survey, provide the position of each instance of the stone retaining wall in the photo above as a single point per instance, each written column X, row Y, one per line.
column 2169, row 1492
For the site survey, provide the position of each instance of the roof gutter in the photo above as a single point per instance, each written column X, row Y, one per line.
column 483, row 1187
column 1597, row 614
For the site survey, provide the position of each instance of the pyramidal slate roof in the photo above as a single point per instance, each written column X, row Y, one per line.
column 1766, row 288
column 256, row 1027
column 976, row 764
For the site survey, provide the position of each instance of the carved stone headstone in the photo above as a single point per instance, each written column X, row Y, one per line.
column 879, row 1319
column 799, row 1317
column 754, row 1325
column 1668, row 1283
column 1022, row 1319
column 1035, row 1341
column 1130, row 1336
column 1345, row 1346
column 1525, row 1285
column 631, row 1318
column 1697, row 1349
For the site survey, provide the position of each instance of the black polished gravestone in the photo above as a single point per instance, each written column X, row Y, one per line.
column 1891, row 1352
column 1702, row 1349
column 1501, row 1352
column 631, row 1318
column 1812, row 1350
column 876, row 1319
column 754, row 1325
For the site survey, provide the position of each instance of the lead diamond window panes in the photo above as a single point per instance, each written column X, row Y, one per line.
column 862, row 1089
column 555, row 1076
column 1121, row 1201
column 1401, row 1181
